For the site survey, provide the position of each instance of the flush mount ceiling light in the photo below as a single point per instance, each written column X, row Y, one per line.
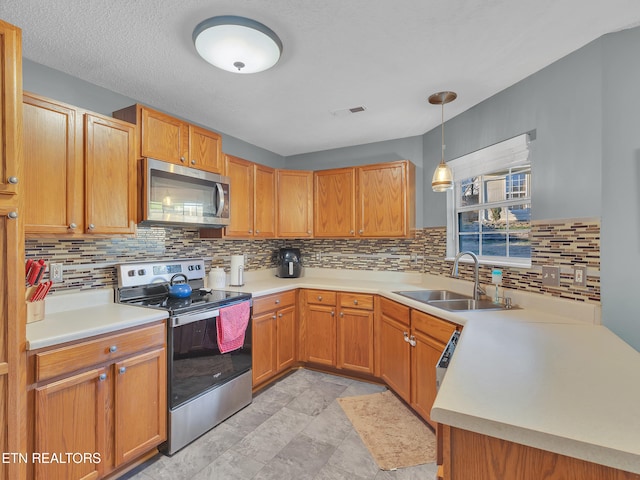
column 442, row 177
column 237, row 44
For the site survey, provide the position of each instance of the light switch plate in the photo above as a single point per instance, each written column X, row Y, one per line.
column 551, row 276
column 580, row 276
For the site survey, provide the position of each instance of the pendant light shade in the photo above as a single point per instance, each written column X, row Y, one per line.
column 442, row 177
column 237, row 44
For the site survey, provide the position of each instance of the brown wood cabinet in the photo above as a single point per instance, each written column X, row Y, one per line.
column 105, row 396
column 386, row 199
column 334, row 203
column 294, row 204
column 80, row 170
column 13, row 415
column 481, row 457
column 170, row 139
column 355, row 324
column 264, row 201
column 319, row 320
column 411, row 343
column 274, row 335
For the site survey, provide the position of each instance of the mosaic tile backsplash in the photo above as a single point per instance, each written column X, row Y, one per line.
column 89, row 263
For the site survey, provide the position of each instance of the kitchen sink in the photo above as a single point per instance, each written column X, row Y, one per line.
column 427, row 296
column 456, row 305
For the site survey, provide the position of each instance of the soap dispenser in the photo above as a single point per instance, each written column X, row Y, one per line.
column 496, row 279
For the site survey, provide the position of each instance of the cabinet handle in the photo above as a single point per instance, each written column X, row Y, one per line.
column 258, row 232
column 412, row 341
column 352, row 232
column 12, row 215
column 182, row 159
column 277, row 301
column 122, row 369
column 250, row 231
column 360, row 231
column 273, row 316
column 12, row 180
column 72, row 226
column 193, row 162
column 91, row 226
column 279, row 315
column 341, row 314
column 309, row 232
column 319, row 298
column 102, row 377
column 355, row 302
column 113, row 348
column 406, row 336
column 332, row 313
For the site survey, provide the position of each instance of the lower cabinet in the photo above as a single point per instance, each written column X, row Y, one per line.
column 274, row 335
column 98, row 404
column 411, row 343
column 319, row 313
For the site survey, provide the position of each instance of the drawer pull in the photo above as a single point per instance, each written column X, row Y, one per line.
column 12, row 180
column 122, row 369
column 277, row 301
column 355, row 302
column 319, row 298
column 102, row 377
column 113, row 348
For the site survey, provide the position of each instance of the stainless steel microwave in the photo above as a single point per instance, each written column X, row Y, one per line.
column 177, row 195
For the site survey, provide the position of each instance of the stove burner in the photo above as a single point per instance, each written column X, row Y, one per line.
column 200, row 299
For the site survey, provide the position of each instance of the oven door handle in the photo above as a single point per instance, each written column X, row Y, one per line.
column 194, row 317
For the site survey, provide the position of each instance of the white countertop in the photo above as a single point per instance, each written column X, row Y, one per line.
column 570, row 389
column 547, row 375
column 79, row 315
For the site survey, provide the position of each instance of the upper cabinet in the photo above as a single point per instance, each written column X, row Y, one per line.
column 167, row 138
column 10, row 91
column 294, row 191
column 80, row 170
column 334, row 202
column 368, row 201
column 386, row 199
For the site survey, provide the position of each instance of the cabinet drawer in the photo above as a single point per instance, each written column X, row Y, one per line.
column 58, row 361
column 434, row 327
column 272, row 302
column 356, row 300
column 321, row 297
column 395, row 310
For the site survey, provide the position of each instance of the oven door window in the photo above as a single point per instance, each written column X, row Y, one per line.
column 196, row 364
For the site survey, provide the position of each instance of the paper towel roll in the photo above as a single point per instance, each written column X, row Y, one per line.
column 237, row 271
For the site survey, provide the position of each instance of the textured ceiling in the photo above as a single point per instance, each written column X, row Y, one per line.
column 386, row 55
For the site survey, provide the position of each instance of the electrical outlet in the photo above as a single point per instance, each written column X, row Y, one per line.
column 55, row 272
column 580, row 276
column 551, row 276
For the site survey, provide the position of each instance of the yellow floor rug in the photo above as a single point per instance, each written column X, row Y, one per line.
column 394, row 435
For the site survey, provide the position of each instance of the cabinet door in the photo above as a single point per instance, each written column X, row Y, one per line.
column 205, row 150
column 240, row 173
column 70, row 417
column 321, row 334
column 286, row 338
column 163, row 137
column 295, row 203
column 110, row 178
column 383, row 200
column 395, row 356
column 264, row 344
column 140, row 404
column 355, row 340
column 334, row 203
column 53, row 168
column 10, row 112
column 424, row 357
column 264, row 202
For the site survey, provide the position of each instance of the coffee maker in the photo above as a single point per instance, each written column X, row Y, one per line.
column 288, row 264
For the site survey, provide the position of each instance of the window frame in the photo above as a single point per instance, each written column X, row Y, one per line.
column 504, row 156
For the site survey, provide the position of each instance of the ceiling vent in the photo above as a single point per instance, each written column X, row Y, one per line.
column 348, row 111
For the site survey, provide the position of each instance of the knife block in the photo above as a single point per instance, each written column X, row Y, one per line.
column 35, row 310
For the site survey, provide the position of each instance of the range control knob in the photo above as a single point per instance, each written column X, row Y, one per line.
column 131, row 273
column 142, row 272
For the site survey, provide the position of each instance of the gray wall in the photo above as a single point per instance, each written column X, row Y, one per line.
column 409, row 148
column 563, row 104
column 65, row 88
column 620, row 235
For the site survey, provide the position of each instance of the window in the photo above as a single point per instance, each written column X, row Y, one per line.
column 489, row 208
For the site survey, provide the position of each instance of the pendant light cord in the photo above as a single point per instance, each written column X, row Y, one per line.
column 442, row 143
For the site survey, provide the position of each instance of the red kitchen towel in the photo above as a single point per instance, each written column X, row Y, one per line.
column 232, row 325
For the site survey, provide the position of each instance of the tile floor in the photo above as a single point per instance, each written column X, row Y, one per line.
column 295, row 429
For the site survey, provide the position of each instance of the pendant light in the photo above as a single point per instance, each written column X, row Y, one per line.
column 237, row 44
column 442, row 177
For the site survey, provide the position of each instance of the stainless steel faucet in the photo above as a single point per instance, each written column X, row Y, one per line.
column 477, row 290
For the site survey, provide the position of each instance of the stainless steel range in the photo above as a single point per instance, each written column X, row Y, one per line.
column 204, row 386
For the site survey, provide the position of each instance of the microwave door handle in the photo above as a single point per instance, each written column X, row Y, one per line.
column 220, row 199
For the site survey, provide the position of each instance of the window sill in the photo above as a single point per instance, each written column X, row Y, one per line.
column 494, row 262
